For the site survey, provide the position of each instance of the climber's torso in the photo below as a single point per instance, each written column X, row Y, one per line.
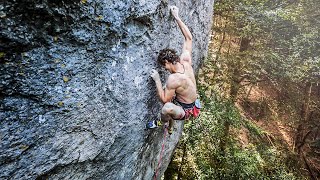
column 186, row 89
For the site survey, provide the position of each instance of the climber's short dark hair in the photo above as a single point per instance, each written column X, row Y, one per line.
column 168, row 54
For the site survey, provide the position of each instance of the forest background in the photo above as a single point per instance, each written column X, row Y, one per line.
column 261, row 95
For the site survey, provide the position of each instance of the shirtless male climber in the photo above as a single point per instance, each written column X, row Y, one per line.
column 180, row 94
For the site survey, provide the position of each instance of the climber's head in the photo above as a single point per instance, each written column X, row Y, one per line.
column 168, row 58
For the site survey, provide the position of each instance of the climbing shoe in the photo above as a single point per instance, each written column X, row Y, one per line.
column 170, row 131
column 154, row 124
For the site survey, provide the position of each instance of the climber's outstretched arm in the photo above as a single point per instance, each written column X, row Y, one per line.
column 187, row 45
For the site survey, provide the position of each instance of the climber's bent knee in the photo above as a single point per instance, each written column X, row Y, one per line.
column 167, row 108
column 176, row 112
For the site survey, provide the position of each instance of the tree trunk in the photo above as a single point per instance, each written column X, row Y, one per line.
column 302, row 131
column 222, row 41
column 304, row 114
column 236, row 80
column 224, row 139
column 235, row 85
column 184, row 154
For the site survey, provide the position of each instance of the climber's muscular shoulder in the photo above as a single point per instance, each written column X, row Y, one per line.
column 186, row 51
column 186, row 59
column 173, row 82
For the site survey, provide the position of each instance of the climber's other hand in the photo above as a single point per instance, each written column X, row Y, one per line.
column 155, row 75
column 174, row 11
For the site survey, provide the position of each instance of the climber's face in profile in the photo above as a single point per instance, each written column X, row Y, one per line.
column 168, row 66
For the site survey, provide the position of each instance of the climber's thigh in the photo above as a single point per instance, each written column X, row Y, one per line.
column 176, row 112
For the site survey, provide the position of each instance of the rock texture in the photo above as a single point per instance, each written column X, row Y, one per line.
column 75, row 91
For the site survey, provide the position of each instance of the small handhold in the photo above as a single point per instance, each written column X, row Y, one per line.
column 3, row 15
column 57, row 60
column 60, row 103
column 79, row 104
column 41, row 119
column 23, row 147
column 65, row 78
column 99, row 18
column 83, row 1
column 2, row 54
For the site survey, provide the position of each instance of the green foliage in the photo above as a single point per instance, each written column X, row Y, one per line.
column 254, row 41
column 202, row 137
column 283, row 35
column 253, row 129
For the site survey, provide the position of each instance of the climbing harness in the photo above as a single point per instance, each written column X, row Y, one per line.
column 162, row 150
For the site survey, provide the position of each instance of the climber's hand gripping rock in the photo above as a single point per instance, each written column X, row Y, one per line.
column 155, row 75
column 174, row 11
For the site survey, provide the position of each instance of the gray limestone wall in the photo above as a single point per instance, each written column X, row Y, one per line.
column 75, row 91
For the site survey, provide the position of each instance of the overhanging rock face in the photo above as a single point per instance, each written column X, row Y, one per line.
column 75, row 91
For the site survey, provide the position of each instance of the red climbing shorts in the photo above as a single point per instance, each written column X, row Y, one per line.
column 191, row 112
column 189, row 109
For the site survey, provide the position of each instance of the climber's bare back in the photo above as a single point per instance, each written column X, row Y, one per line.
column 185, row 83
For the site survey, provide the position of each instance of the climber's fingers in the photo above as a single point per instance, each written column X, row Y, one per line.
column 174, row 10
column 155, row 75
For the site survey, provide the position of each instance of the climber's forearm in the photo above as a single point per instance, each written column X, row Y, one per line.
column 160, row 91
column 184, row 29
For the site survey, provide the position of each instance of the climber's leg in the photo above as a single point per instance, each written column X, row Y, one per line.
column 171, row 111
